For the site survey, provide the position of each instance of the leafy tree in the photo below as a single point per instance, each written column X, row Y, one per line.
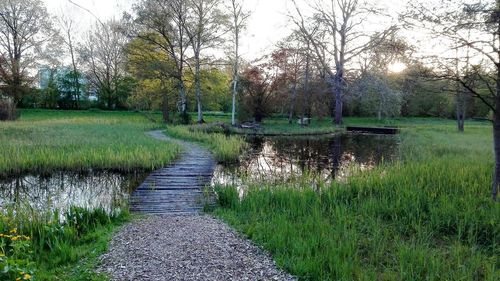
column 257, row 97
column 153, row 69
column 162, row 24
column 25, row 29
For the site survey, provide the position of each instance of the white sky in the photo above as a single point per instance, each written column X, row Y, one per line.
column 266, row 26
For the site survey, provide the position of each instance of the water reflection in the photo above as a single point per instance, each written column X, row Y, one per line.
column 329, row 158
column 59, row 191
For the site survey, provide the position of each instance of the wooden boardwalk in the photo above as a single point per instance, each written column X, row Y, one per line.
column 177, row 188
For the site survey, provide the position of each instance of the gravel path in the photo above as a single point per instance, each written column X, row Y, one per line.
column 195, row 247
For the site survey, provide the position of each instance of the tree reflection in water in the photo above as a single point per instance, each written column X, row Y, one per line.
column 278, row 159
column 61, row 190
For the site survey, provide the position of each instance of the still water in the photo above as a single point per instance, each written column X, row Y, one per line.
column 268, row 159
column 59, row 191
column 333, row 157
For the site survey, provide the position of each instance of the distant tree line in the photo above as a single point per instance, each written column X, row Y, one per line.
column 158, row 57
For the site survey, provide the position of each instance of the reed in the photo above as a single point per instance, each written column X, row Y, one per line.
column 45, row 141
column 41, row 246
column 426, row 217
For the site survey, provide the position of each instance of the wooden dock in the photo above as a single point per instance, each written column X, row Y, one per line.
column 374, row 130
column 179, row 187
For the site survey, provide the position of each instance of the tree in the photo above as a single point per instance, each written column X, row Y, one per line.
column 103, row 55
column 68, row 28
column 153, row 68
column 238, row 23
column 473, row 31
column 25, row 28
column 289, row 60
column 375, row 97
column 257, row 93
column 204, row 31
column 375, row 71
column 163, row 24
column 335, row 32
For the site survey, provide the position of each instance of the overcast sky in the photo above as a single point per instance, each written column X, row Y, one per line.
column 267, row 25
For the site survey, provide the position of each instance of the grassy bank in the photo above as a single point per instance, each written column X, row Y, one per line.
column 43, row 141
column 428, row 217
column 40, row 247
column 224, row 148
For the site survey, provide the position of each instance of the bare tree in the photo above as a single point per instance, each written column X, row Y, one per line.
column 163, row 23
column 204, row 31
column 238, row 21
column 473, row 30
column 334, row 32
column 68, row 26
column 103, row 55
column 25, row 28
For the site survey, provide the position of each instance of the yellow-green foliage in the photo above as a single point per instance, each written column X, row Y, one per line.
column 42, row 141
column 427, row 217
column 225, row 148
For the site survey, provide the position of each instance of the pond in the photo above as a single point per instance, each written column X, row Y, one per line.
column 273, row 160
column 332, row 157
column 60, row 190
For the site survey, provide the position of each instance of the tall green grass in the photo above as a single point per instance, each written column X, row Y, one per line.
column 224, row 148
column 48, row 248
column 427, row 217
column 44, row 141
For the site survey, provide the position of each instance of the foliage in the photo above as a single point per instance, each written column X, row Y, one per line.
column 216, row 96
column 43, row 141
column 373, row 96
column 16, row 261
column 42, row 247
column 428, row 217
column 256, row 98
column 71, row 92
column 25, row 29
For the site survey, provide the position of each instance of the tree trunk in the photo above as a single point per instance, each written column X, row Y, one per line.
column 183, row 105
column 292, row 103
column 164, row 108
column 496, row 141
column 75, row 72
column 460, row 114
column 338, row 106
column 235, row 86
column 197, row 81
column 236, row 63
column 306, row 106
column 337, row 89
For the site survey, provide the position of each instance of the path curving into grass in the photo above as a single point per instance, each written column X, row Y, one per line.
column 181, row 243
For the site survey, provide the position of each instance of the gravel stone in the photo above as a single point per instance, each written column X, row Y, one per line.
column 194, row 247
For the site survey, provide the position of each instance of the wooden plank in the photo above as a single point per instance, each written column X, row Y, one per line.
column 178, row 187
column 374, row 130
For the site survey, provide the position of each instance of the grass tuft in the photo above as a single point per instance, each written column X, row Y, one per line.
column 226, row 149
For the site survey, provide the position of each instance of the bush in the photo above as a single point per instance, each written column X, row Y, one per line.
column 7, row 109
